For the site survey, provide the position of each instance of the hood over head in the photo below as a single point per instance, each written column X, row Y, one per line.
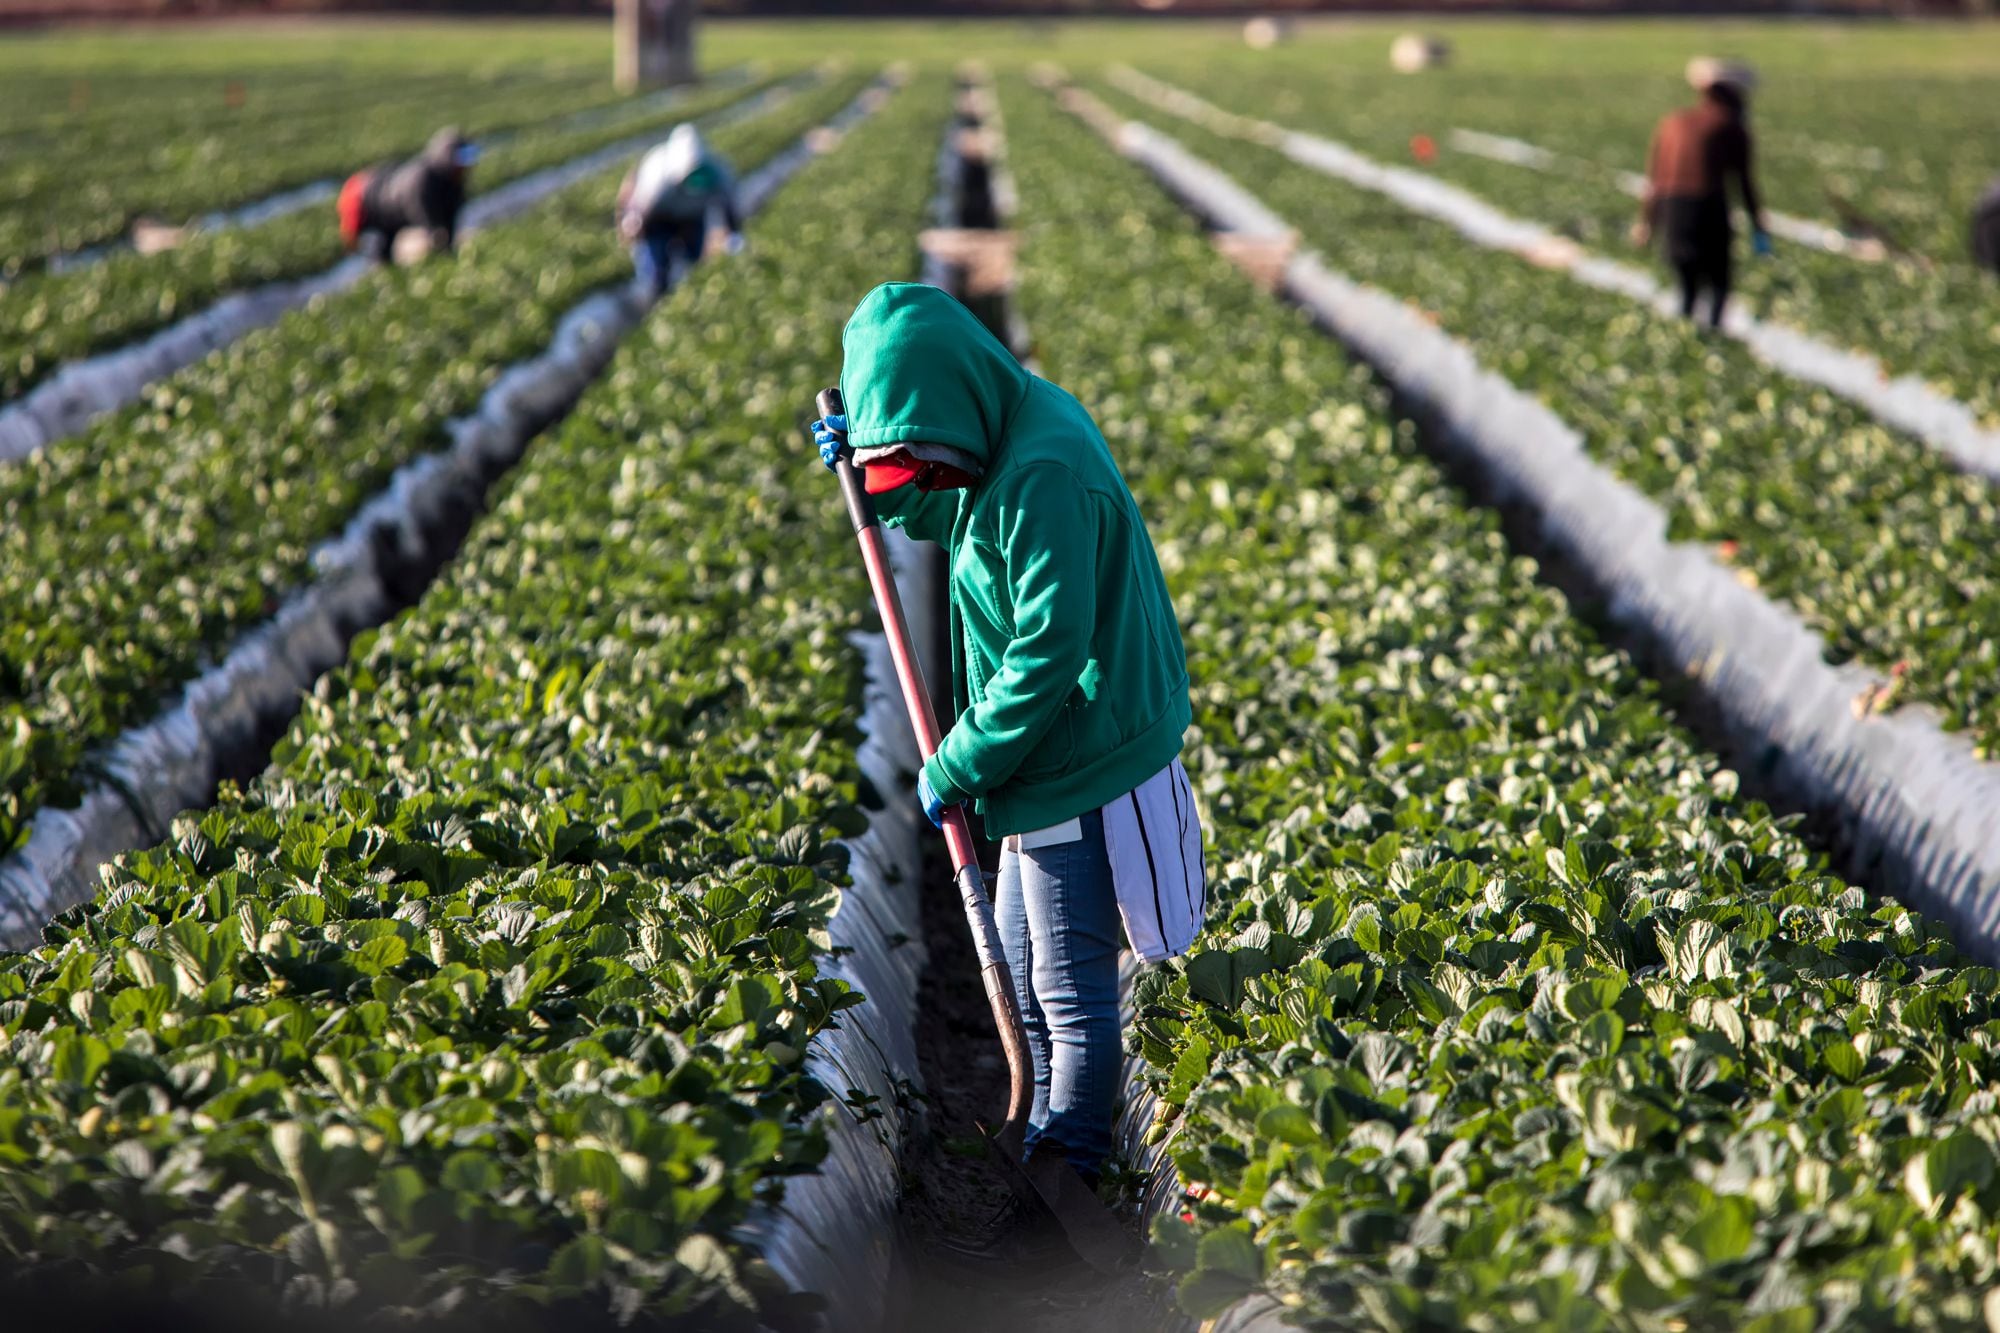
column 919, row 367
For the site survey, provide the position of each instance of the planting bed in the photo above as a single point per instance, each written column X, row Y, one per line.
column 51, row 318
column 172, row 178
column 240, row 466
column 1869, row 536
column 1885, row 121
column 1931, row 314
column 1904, row 402
column 140, row 130
column 499, row 986
column 1515, row 1012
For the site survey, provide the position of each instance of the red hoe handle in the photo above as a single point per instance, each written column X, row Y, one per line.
column 923, row 721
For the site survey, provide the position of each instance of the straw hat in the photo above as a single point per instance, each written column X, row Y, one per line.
column 1703, row 72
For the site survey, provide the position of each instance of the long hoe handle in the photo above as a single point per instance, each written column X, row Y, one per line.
column 957, row 832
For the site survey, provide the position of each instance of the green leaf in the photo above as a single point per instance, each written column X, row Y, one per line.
column 1218, row 976
column 1317, row 1221
column 379, row 955
column 579, row 1265
column 1230, row 1250
column 1961, row 1163
column 1206, row 1292
column 1287, row 1124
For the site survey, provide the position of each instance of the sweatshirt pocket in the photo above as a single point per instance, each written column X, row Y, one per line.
column 1055, row 753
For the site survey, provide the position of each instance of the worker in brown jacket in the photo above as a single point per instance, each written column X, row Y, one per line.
column 1698, row 153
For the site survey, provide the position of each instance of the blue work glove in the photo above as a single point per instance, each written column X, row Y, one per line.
column 1760, row 242
column 829, row 442
column 934, row 806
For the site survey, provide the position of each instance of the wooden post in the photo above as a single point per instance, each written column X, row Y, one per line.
column 653, row 43
column 677, row 34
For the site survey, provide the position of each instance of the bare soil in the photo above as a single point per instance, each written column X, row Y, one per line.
column 952, row 1192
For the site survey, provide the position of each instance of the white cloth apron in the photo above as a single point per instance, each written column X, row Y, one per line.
column 1152, row 835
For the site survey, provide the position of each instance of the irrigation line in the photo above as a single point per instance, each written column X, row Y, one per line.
column 397, row 539
column 1905, row 402
column 1910, row 805
column 82, row 391
column 1801, row 231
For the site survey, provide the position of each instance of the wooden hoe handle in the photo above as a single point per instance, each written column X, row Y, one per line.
column 923, row 721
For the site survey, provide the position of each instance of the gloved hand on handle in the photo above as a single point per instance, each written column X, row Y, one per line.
column 829, row 433
column 1760, row 243
column 934, row 806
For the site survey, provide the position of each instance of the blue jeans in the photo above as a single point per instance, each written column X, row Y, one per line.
column 1058, row 919
column 659, row 244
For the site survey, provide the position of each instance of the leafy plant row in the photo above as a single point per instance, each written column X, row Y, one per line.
column 132, row 555
column 1938, row 319
column 85, row 189
column 50, row 318
column 496, row 989
column 1892, row 135
column 1512, row 1013
column 1874, row 540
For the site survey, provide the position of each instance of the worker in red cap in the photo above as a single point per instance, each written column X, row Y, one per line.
column 1699, row 154
column 1068, row 670
column 424, row 194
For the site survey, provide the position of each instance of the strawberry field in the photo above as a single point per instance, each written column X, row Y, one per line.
column 508, row 967
column 1830, row 156
column 1872, row 538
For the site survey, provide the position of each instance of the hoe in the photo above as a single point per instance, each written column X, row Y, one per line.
column 1045, row 1175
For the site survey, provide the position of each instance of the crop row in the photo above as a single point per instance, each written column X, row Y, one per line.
column 133, row 554
column 1936, row 319
column 50, row 318
column 498, row 986
column 1890, row 134
column 1873, row 539
column 70, row 195
column 1512, row 1013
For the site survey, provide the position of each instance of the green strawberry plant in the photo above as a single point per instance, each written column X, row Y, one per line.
column 1511, row 1012
column 497, row 988
column 133, row 555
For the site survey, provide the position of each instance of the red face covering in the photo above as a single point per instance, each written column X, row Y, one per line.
column 900, row 469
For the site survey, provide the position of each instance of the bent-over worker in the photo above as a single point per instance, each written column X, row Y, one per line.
column 424, row 194
column 1698, row 153
column 667, row 203
column 1068, row 670
column 1986, row 229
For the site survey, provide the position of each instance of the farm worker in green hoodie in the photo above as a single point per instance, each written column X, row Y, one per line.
column 1068, row 673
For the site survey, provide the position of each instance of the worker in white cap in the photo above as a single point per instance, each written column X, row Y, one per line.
column 669, row 203
column 1698, row 154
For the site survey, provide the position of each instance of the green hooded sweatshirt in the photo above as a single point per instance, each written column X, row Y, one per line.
column 1067, row 664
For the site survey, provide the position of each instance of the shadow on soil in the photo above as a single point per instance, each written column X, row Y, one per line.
column 952, row 1193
